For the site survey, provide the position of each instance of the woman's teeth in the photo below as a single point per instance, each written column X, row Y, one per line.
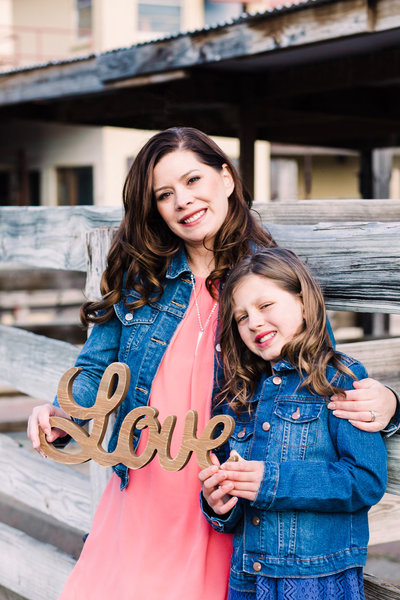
column 194, row 217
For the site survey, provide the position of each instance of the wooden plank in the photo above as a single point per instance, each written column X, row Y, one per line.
column 384, row 519
column 381, row 357
column 32, row 363
column 309, row 212
column 357, row 264
column 375, row 589
column 250, row 36
column 56, row 490
column 30, row 568
column 52, row 237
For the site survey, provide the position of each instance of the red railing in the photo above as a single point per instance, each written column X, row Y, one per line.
column 23, row 45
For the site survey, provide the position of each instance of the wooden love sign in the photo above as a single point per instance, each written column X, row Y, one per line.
column 111, row 393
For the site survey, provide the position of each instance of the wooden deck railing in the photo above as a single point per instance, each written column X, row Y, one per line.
column 353, row 247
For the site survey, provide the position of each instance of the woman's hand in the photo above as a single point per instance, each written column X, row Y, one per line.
column 216, row 489
column 39, row 419
column 245, row 475
column 369, row 406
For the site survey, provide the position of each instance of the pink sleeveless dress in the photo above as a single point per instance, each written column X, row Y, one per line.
column 150, row 541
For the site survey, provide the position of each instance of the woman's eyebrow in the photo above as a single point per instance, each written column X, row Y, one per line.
column 162, row 187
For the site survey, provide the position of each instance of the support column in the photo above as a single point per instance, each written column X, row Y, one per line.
column 247, row 139
column 375, row 175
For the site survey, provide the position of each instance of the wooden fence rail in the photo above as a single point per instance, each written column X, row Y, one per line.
column 353, row 247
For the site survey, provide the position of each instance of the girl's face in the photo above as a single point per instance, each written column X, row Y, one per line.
column 267, row 316
column 192, row 197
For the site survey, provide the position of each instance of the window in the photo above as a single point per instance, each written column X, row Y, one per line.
column 74, row 186
column 163, row 16
column 84, row 18
column 219, row 12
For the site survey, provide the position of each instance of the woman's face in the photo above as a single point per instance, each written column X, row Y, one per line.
column 191, row 197
column 267, row 316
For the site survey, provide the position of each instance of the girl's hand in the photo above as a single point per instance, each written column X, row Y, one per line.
column 216, row 488
column 245, row 475
column 369, row 406
column 39, row 419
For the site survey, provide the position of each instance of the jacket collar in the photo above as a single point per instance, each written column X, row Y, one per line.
column 178, row 264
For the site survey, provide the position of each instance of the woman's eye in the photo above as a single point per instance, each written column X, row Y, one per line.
column 163, row 196
column 193, row 179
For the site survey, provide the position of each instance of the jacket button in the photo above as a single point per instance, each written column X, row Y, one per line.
column 296, row 415
column 257, row 566
column 266, row 426
column 277, row 380
column 129, row 316
column 242, row 433
column 255, row 521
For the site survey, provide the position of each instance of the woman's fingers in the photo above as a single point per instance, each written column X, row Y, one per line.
column 368, row 406
column 40, row 419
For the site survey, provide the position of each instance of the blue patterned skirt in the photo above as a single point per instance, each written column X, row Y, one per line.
column 346, row 585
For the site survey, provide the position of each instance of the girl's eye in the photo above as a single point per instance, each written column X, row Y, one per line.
column 193, row 179
column 240, row 319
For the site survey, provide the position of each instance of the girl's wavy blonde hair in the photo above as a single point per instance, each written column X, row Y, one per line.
column 309, row 351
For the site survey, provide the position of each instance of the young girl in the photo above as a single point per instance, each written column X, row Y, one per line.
column 297, row 495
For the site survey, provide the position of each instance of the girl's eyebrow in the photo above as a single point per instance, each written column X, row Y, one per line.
column 163, row 187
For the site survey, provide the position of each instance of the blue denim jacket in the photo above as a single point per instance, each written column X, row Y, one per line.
column 139, row 339
column 321, row 475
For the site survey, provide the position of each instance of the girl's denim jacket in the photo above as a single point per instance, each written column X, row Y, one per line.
column 321, row 475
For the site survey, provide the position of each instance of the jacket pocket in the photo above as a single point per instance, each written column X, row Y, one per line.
column 135, row 324
column 241, row 438
column 296, row 422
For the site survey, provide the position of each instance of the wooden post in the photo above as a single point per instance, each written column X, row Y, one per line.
column 247, row 139
column 375, row 175
column 98, row 242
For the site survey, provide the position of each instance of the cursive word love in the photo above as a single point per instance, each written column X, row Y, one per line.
column 112, row 391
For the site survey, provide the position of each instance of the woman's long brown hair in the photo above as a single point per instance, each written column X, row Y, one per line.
column 309, row 351
column 144, row 245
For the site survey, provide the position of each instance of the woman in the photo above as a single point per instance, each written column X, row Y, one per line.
column 186, row 222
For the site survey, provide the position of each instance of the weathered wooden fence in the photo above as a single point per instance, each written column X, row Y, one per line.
column 353, row 248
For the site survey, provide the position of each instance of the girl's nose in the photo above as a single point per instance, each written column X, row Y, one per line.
column 255, row 321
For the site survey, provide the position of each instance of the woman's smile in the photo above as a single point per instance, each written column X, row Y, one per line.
column 191, row 197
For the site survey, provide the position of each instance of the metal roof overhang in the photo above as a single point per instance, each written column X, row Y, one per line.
column 324, row 73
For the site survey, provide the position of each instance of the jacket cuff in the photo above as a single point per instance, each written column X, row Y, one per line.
column 268, row 486
column 222, row 523
column 394, row 423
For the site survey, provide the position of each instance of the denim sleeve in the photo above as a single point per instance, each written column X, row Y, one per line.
column 356, row 480
column 394, row 424
column 100, row 350
column 222, row 523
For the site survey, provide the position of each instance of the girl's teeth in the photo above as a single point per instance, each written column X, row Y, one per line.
column 266, row 337
column 195, row 217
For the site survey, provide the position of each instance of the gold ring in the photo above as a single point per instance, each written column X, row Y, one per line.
column 373, row 416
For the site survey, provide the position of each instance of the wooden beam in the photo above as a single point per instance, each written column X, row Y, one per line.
column 58, row 491
column 32, row 363
column 51, row 237
column 30, row 568
column 310, row 212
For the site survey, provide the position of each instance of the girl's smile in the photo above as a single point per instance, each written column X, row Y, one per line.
column 267, row 316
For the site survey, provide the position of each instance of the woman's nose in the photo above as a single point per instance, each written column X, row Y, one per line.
column 182, row 198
